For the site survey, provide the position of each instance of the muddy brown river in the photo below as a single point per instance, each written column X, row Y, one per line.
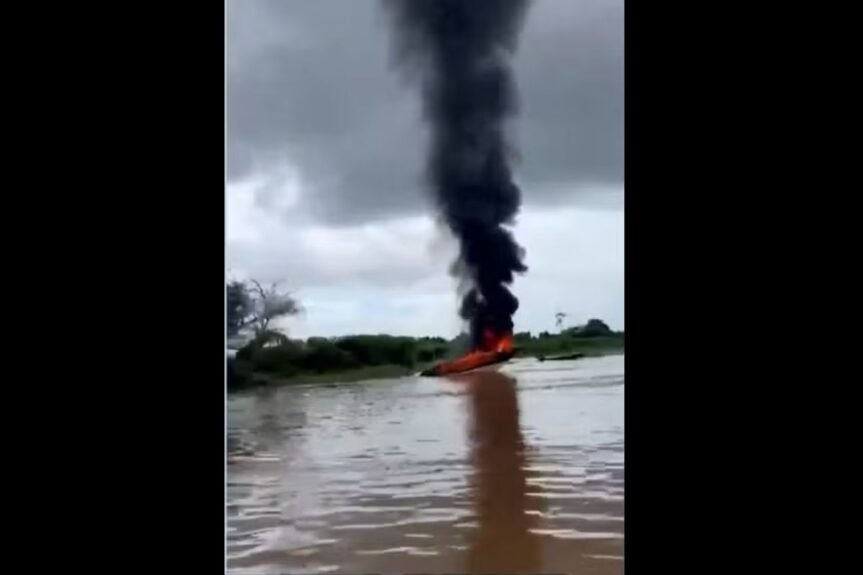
column 515, row 470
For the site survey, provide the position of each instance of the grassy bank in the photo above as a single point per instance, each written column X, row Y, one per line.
column 365, row 357
column 367, row 373
column 559, row 345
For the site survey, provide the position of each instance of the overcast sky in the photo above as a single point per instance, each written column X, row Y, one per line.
column 325, row 149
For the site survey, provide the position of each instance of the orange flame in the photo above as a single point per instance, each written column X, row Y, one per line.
column 496, row 342
column 504, row 344
column 493, row 348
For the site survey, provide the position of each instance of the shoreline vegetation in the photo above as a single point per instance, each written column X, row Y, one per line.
column 269, row 357
column 269, row 361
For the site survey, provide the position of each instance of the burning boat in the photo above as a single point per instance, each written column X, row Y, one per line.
column 494, row 351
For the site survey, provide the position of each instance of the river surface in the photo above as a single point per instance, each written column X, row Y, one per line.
column 515, row 470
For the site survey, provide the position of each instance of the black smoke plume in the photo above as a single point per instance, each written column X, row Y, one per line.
column 460, row 52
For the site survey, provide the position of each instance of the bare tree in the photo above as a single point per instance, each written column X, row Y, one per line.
column 270, row 304
column 252, row 307
column 238, row 307
column 558, row 319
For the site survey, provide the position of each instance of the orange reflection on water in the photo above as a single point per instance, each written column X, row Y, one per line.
column 502, row 541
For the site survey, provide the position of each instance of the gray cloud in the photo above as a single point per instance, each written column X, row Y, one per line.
column 570, row 72
column 309, row 84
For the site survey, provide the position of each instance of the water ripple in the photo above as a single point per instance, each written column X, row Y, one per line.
column 431, row 475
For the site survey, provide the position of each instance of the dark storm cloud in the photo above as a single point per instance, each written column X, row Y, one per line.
column 309, row 83
column 570, row 77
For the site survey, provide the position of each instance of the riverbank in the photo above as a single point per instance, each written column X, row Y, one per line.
column 247, row 378
column 282, row 361
column 368, row 373
column 558, row 345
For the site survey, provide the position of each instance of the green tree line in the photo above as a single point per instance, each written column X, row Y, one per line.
column 252, row 309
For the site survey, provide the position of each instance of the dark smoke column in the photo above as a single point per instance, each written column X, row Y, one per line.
column 460, row 52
